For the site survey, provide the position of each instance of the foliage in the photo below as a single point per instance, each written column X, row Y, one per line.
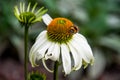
column 36, row 76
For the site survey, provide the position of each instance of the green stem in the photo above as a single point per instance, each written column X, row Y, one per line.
column 56, row 70
column 26, row 52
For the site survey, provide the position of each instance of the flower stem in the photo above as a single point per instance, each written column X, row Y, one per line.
column 56, row 70
column 26, row 52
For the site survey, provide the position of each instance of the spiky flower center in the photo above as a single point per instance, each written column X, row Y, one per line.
column 27, row 17
column 61, row 30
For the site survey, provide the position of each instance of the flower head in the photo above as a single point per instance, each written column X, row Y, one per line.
column 27, row 16
column 61, row 38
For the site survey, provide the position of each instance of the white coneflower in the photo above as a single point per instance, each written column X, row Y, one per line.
column 61, row 38
column 27, row 16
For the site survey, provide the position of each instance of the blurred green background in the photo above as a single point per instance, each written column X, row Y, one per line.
column 98, row 21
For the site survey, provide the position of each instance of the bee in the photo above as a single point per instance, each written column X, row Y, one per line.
column 73, row 29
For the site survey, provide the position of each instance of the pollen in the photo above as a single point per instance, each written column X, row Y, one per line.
column 61, row 30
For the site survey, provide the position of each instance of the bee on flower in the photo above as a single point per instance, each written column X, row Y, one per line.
column 27, row 16
column 61, row 42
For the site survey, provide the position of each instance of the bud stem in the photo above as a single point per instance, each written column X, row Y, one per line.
column 26, row 52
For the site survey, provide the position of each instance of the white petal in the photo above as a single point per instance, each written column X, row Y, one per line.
column 66, row 60
column 39, row 48
column 77, row 47
column 86, row 43
column 41, row 39
column 83, row 48
column 47, row 19
column 76, row 56
column 80, row 37
column 42, row 34
column 53, row 52
column 57, row 51
column 49, row 52
column 32, row 59
column 44, row 64
column 39, row 52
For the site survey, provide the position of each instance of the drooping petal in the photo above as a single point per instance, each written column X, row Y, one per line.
column 40, row 46
column 86, row 45
column 39, row 53
column 42, row 34
column 53, row 52
column 81, row 52
column 76, row 56
column 66, row 60
column 79, row 36
column 57, row 51
column 41, row 39
column 83, row 48
column 44, row 64
column 32, row 58
column 47, row 19
column 50, row 51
